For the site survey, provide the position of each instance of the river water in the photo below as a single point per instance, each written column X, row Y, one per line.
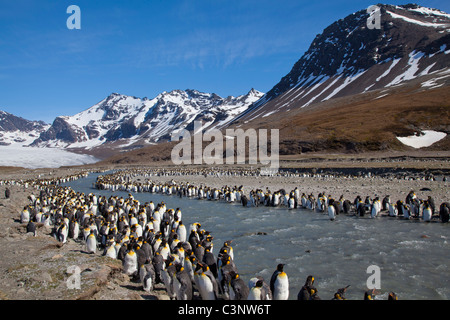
column 412, row 256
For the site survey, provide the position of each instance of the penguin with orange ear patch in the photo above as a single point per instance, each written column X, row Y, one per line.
column 184, row 291
column 279, row 284
column 240, row 288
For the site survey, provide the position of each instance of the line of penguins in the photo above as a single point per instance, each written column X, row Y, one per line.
column 411, row 208
column 156, row 247
column 258, row 172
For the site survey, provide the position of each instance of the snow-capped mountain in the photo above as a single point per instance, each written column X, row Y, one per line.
column 19, row 131
column 349, row 58
column 126, row 121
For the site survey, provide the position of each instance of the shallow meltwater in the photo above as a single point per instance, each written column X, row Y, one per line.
column 412, row 256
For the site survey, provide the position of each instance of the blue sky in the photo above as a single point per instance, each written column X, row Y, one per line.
column 143, row 48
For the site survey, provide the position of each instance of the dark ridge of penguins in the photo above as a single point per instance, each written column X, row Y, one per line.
column 145, row 238
column 411, row 207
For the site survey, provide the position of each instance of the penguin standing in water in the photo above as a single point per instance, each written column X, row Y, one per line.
column 432, row 205
column 244, row 200
column 346, row 206
column 392, row 296
column 331, row 212
column 385, row 203
column 368, row 295
column 340, row 294
column 393, row 212
column 91, row 243
column 308, row 291
column 279, row 284
column 427, row 212
column 444, row 212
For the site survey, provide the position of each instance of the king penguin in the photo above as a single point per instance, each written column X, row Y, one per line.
column 255, row 292
column 181, row 232
column 227, row 246
column 279, row 284
column 427, row 213
column 262, row 291
column 331, row 212
column 184, row 291
column 206, row 284
column 444, row 212
column 91, row 243
column 31, row 227
column 240, row 289
column 130, row 264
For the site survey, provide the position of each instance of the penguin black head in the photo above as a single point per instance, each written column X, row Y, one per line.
column 309, row 281
column 368, row 295
column 179, row 267
column 259, row 283
column 280, row 267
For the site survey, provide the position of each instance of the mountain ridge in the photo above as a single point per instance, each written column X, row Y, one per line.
column 140, row 121
column 348, row 58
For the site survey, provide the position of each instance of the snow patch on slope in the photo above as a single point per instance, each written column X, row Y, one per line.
column 426, row 139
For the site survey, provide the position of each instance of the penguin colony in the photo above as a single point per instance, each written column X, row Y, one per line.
column 410, row 208
column 156, row 247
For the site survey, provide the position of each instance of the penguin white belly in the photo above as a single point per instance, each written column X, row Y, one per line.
column 254, row 294
column 148, row 283
column 181, row 232
column 91, row 244
column 281, row 287
column 276, row 200
column 130, row 264
column 76, row 230
column 374, row 211
column 25, row 216
column 291, row 203
column 331, row 212
column 392, row 210
column 165, row 252
column 206, row 287
column 111, row 252
column 426, row 214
